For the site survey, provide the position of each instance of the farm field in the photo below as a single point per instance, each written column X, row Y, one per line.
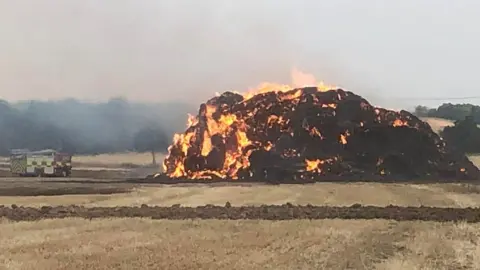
column 475, row 159
column 255, row 244
column 152, row 135
column 437, row 124
column 117, row 160
column 122, row 243
column 108, row 240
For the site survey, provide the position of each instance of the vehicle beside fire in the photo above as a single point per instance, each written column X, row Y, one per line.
column 24, row 162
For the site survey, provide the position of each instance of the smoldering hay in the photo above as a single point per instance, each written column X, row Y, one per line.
column 283, row 133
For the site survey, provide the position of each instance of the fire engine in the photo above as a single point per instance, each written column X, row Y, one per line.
column 24, row 162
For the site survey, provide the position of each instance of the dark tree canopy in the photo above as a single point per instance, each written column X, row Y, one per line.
column 464, row 135
column 86, row 128
column 450, row 111
column 151, row 139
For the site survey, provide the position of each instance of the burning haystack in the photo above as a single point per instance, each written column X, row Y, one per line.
column 309, row 133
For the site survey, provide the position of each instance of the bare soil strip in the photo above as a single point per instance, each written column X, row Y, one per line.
column 350, row 178
column 75, row 190
column 265, row 212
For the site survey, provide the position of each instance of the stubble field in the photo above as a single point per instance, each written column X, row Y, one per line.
column 255, row 244
column 128, row 243
column 145, row 243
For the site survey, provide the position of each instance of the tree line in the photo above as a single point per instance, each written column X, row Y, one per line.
column 89, row 128
column 450, row 111
column 465, row 133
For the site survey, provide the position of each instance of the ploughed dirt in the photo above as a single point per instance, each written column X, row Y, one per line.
column 99, row 173
column 74, row 190
column 162, row 178
column 266, row 212
column 18, row 186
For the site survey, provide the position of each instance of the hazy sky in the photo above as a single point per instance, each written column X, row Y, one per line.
column 190, row 49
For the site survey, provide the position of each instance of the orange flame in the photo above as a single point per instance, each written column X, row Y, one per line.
column 299, row 79
column 314, row 132
column 331, row 105
column 222, row 126
column 343, row 137
column 399, row 123
column 313, row 165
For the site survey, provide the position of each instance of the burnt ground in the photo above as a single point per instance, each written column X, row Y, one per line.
column 48, row 191
column 266, row 212
column 34, row 186
column 164, row 179
column 95, row 174
column 16, row 186
column 82, row 181
column 99, row 173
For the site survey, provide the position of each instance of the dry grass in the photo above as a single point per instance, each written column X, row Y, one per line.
column 475, row 159
column 299, row 244
column 440, row 195
column 118, row 159
column 437, row 124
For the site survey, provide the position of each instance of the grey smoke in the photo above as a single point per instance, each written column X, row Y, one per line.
column 187, row 50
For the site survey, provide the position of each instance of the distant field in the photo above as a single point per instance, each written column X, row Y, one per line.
column 134, row 243
column 118, row 159
column 115, row 160
column 437, row 124
column 475, row 159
